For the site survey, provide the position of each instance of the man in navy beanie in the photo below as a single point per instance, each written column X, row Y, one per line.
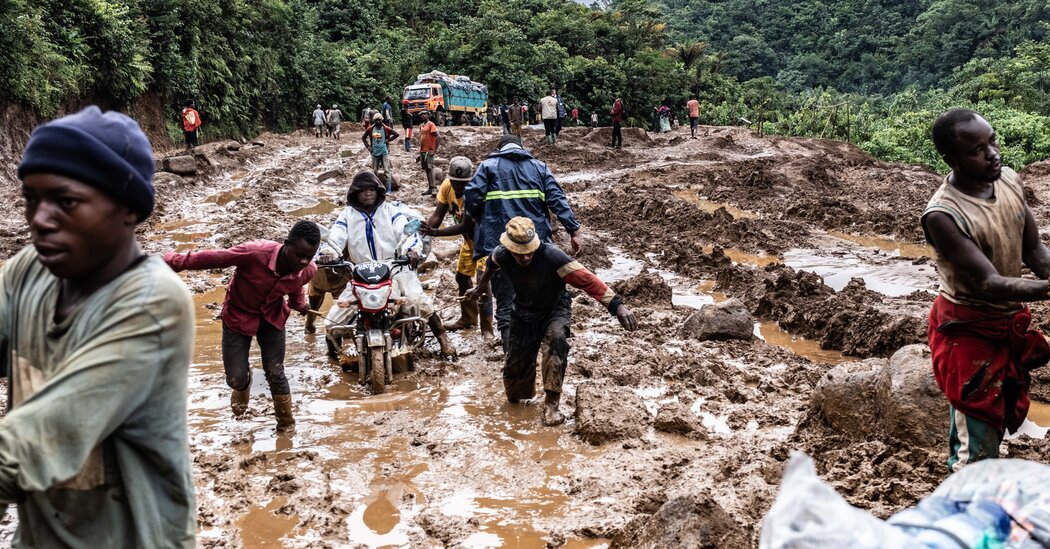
column 98, row 337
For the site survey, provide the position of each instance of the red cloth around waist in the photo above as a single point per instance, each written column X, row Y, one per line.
column 981, row 360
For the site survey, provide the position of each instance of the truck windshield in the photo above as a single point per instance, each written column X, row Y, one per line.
column 420, row 93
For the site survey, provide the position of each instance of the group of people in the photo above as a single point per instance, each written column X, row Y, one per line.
column 327, row 122
column 97, row 336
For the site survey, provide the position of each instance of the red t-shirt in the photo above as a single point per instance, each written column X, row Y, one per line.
column 191, row 119
column 255, row 292
column 428, row 137
column 694, row 108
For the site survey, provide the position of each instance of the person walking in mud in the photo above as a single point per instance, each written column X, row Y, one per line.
column 335, row 121
column 542, row 314
column 372, row 228
column 515, row 117
column 693, row 107
column 512, row 183
column 191, row 123
column 428, row 146
column 979, row 327
column 450, row 200
column 255, row 307
column 98, row 338
column 618, row 115
column 319, row 120
column 377, row 137
column 387, row 110
column 549, row 113
column 406, row 125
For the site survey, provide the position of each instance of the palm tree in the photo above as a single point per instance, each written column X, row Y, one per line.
column 689, row 54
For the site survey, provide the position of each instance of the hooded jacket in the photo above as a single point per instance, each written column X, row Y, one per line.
column 511, row 183
column 373, row 237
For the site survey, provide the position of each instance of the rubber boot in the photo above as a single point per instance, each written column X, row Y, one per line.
column 485, row 320
column 311, row 318
column 468, row 316
column 438, row 329
column 551, row 415
column 282, row 408
column 239, row 398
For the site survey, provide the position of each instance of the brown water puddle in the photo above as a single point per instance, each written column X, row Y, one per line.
column 1039, row 413
column 775, row 335
column 508, row 488
column 746, row 258
column 889, row 245
column 225, row 197
column 263, row 526
column 323, row 206
column 711, row 206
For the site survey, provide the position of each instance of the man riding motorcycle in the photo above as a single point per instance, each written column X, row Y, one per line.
column 371, row 229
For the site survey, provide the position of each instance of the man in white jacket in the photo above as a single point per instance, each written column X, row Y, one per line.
column 371, row 228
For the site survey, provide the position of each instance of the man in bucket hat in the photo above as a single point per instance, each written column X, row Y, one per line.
column 96, row 338
column 542, row 312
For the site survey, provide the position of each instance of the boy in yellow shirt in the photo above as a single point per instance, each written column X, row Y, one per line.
column 450, row 200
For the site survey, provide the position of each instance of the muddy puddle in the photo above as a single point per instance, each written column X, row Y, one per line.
column 711, row 206
column 377, row 454
column 891, row 278
column 695, row 294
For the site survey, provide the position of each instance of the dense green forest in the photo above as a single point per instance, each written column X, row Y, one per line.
column 875, row 72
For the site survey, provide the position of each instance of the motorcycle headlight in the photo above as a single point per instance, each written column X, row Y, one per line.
column 373, row 300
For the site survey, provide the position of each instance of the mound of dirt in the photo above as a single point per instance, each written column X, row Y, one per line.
column 693, row 522
column 648, row 289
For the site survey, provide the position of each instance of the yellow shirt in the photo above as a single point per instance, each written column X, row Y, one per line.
column 447, row 195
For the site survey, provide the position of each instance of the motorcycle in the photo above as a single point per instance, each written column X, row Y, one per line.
column 383, row 328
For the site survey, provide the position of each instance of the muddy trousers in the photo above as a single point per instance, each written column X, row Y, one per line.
column 503, row 291
column 191, row 138
column 617, row 135
column 970, row 440
column 550, row 129
column 528, row 333
column 235, row 346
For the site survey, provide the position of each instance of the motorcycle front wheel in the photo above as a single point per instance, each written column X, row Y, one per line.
column 377, row 364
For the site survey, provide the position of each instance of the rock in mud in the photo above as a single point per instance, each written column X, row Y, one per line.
column 647, row 289
column 164, row 180
column 911, row 406
column 182, row 164
column 729, row 319
column 896, row 398
column 678, row 419
column 605, row 413
column 330, row 174
column 684, row 522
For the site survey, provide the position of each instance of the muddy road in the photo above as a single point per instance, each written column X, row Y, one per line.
column 818, row 240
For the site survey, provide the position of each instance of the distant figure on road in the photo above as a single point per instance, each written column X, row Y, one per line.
column 549, row 112
column 594, row 119
column 983, row 233
column 406, row 125
column 428, row 146
column 335, row 121
column 191, row 122
column 575, row 116
column 617, row 119
column 377, row 137
column 319, row 121
column 693, row 106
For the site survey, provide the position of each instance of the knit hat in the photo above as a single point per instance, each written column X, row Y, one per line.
column 107, row 151
column 520, row 236
column 377, row 117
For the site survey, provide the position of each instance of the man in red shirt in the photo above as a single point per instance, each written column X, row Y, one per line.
column 428, row 144
column 694, row 115
column 255, row 307
column 617, row 119
column 191, row 120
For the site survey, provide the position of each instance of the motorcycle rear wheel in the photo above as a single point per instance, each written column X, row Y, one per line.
column 377, row 364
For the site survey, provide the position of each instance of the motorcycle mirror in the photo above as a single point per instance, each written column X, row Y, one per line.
column 412, row 227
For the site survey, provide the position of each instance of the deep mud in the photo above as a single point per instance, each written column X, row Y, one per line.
column 442, row 459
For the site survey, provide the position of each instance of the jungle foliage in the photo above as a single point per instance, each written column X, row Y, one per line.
column 876, row 73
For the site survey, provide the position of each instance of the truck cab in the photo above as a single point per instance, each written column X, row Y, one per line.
column 424, row 96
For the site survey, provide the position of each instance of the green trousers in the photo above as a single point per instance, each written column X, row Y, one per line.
column 970, row 440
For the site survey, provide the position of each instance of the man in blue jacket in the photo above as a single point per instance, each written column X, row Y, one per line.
column 508, row 184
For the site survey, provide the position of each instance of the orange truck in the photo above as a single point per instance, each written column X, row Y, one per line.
column 455, row 95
